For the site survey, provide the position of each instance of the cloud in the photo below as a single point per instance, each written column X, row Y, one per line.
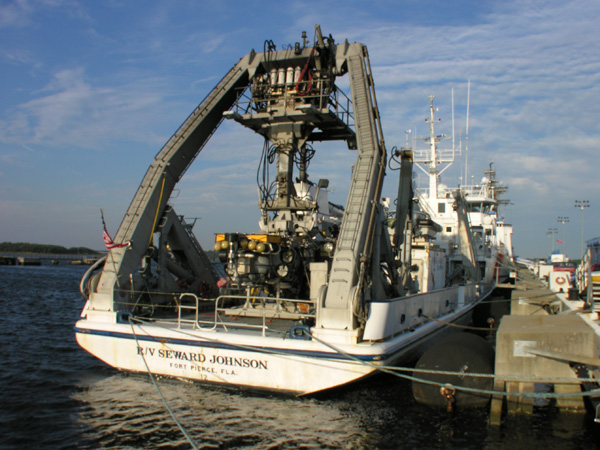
column 22, row 13
column 15, row 14
column 534, row 72
column 533, row 75
column 70, row 111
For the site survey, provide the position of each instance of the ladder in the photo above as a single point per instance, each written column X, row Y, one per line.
column 358, row 224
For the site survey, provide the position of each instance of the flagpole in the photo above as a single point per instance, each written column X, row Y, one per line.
column 110, row 244
column 564, row 220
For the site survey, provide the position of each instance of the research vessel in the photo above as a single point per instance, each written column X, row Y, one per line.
column 319, row 295
column 489, row 234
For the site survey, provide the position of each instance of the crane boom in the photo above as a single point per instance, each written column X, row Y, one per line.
column 168, row 167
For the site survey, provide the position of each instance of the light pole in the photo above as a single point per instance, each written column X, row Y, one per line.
column 582, row 204
column 563, row 220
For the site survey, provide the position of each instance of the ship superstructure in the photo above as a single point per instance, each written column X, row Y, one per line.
column 467, row 213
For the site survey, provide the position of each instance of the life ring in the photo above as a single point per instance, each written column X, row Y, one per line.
column 560, row 280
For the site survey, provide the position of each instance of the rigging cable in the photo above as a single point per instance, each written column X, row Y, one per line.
column 265, row 187
column 162, row 190
column 310, row 78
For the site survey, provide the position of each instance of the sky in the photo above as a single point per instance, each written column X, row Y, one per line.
column 91, row 91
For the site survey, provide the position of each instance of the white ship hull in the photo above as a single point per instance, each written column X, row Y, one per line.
column 269, row 360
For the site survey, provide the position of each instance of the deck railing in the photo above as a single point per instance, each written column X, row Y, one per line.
column 322, row 95
column 254, row 306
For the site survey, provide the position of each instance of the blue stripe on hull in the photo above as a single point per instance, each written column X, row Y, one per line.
column 220, row 345
column 380, row 358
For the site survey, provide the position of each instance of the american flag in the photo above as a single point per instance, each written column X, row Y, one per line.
column 110, row 244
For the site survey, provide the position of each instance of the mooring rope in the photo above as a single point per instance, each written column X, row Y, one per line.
column 462, row 388
column 187, row 436
column 396, row 370
column 516, row 378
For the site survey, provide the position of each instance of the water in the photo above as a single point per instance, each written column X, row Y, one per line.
column 53, row 395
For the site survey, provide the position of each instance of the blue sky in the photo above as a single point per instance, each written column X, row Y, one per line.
column 92, row 90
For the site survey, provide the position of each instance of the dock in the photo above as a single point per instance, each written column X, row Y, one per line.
column 549, row 338
column 39, row 259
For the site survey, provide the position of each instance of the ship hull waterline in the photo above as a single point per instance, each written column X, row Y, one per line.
column 290, row 366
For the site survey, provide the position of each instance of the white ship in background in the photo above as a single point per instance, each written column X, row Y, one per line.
column 318, row 296
column 490, row 235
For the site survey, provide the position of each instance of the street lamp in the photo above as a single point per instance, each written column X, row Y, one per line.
column 582, row 204
column 563, row 220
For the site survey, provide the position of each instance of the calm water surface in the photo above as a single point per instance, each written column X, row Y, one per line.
column 53, row 395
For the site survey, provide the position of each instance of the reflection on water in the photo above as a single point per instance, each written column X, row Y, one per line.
column 127, row 411
column 54, row 395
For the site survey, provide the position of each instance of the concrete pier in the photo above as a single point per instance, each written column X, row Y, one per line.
column 546, row 336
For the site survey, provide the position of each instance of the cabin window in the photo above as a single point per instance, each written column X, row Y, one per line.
column 441, row 207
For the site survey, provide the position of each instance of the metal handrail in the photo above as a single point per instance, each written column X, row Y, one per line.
column 216, row 322
column 337, row 101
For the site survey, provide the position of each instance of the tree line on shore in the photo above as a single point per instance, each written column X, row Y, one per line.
column 26, row 247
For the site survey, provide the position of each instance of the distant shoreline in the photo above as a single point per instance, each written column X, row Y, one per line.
column 26, row 247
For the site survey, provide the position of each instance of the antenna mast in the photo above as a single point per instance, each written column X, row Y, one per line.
column 453, row 133
column 467, row 134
